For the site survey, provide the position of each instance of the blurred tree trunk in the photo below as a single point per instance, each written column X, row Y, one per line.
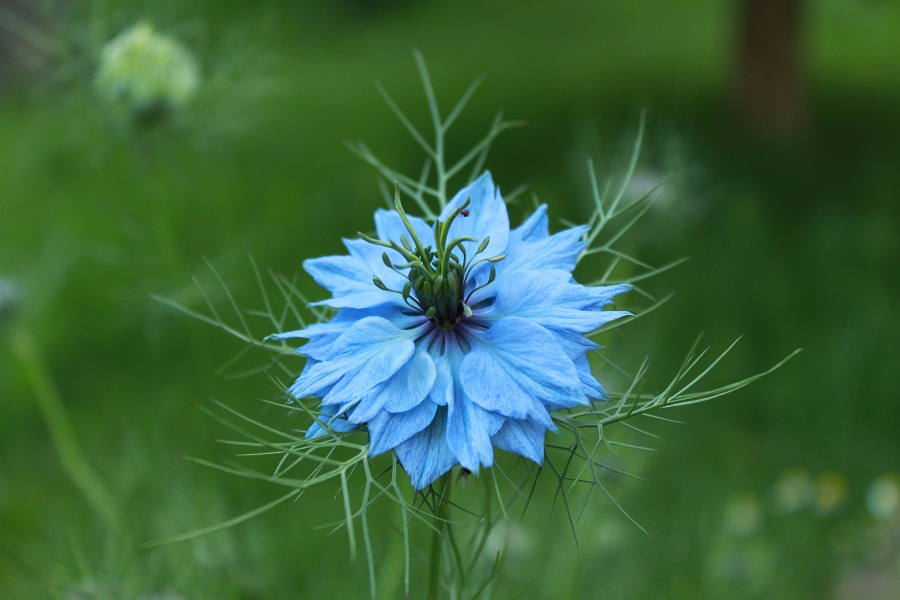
column 770, row 87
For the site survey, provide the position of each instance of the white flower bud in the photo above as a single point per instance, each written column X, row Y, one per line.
column 146, row 73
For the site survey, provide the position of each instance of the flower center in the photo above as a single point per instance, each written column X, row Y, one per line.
column 441, row 297
column 436, row 276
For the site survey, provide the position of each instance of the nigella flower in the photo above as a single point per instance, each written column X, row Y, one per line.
column 454, row 338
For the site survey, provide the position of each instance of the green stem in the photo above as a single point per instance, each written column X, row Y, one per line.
column 441, row 527
column 74, row 462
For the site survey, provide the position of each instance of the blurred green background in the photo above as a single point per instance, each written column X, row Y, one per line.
column 787, row 490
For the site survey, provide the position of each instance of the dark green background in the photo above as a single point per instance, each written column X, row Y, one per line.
column 792, row 244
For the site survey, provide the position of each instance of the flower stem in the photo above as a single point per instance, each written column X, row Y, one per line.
column 441, row 528
column 74, row 461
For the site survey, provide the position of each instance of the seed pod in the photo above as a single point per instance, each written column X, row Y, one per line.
column 146, row 74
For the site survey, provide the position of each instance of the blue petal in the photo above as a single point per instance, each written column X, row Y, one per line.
column 576, row 347
column 335, row 423
column 350, row 278
column 364, row 356
column 589, row 384
column 487, row 216
column 426, row 455
column 403, row 391
column 566, row 309
column 390, row 227
column 323, row 335
column 388, row 430
column 469, row 430
column 527, row 252
column 547, row 298
column 516, row 364
column 349, row 281
column 525, row 438
column 447, row 367
column 558, row 251
column 534, row 229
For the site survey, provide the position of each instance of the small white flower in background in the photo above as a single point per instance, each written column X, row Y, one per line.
column 146, row 73
column 793, row 491
column 883, row 497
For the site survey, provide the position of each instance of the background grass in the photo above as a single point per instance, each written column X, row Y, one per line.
column 790, row 245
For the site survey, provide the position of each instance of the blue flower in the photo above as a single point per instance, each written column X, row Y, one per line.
column 454, row 338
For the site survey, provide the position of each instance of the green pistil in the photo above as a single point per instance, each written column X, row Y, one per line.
column 436, row 278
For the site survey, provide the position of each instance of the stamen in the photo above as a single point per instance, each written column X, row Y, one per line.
column 435, row 276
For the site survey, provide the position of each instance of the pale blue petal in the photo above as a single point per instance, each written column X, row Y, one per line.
column 307, row 367
column 602, row 295
column 388, row 430
column 411, row 384
column 514, row 366
column 558, row 251
column 446, row 367
column 535, row 228
column 390, row 227
column 426, row 455
column 403, row 391
column 573, row 344
column 322, row 336
column 487, row 216
column 546, row 298
column 365, row 355
column 576, row 347
column 591, row 387
column 370, row 255
column 525, row 438
column 336, row 424
column 349, row 281
column 469, row 430
column 350, row 278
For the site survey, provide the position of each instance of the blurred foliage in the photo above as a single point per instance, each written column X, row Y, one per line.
column 790, row 244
